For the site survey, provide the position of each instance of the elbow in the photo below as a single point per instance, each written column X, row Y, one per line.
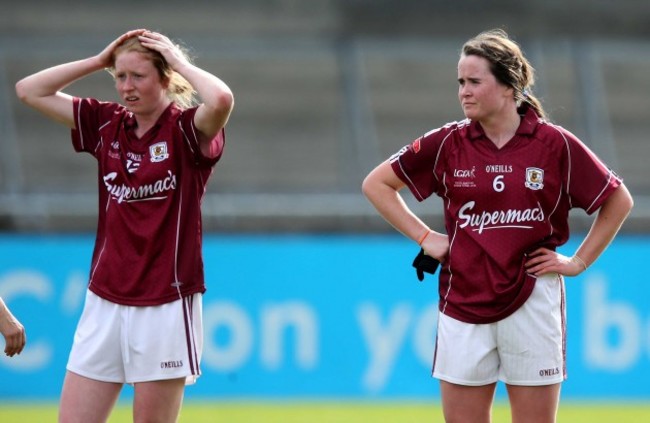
column 372, row 187
column 366, row 186
column 630, row 204
column 21, row 91
column 225, row 100
column 220, row 106
column 25, row 92
column 379, row 181
column 619, row 204
column 627, row 202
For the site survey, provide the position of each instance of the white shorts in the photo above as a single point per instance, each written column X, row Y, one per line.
column 526, row 348
column 127, row 344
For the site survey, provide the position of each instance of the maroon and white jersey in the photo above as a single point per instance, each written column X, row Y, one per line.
column 148, row 245
column 500, row 204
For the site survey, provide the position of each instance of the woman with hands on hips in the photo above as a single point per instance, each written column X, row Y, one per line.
column 142, row 321
column 508, row 178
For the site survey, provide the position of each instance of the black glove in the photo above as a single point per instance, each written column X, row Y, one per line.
column 424, row 263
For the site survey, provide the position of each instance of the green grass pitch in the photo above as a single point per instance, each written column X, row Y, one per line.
column 334, row 412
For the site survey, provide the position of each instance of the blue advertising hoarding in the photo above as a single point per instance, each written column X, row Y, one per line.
column 319, row 316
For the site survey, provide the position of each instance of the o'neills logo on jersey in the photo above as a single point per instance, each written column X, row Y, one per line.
column 498, row 219
column 498, row 168
column 143, row 192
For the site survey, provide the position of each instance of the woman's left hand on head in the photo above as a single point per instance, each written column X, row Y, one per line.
column 163, row 45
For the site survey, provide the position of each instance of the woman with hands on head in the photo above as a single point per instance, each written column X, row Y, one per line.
column 141, row 322
column 508, row 178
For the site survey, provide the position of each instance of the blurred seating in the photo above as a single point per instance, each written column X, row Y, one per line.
column 324, row 91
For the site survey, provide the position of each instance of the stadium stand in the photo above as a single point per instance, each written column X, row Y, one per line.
column 324, row 90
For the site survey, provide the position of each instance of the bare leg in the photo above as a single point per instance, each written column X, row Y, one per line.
column 464, row 404
column 85, row 400
column 159, row 401
column 534, row 404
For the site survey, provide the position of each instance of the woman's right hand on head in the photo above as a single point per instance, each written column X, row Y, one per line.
column 105, row 57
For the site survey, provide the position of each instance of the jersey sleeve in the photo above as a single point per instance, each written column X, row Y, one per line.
column 417, row 164
column 589, row 180
column 89, row 116
column 191, row 136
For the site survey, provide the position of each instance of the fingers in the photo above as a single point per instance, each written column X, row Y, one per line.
column 540, row 262
column 135, row 32
column 105, row 56
column 540, row 251
column 130, row 34
column 436, row 246
column 10, row 350
column 154, row 38
column 22, row 342
column 548, row 261
column 15, row 343
column 155, row 41
column 127, row 35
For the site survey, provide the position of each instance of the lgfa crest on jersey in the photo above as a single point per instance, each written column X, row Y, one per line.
column 534, row 178
column 158, row 152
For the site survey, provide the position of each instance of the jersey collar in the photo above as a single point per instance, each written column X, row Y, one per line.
column 527, row 126
column 130, row 123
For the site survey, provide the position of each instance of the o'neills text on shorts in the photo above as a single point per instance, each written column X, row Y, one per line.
column 549, row 372
column 171, row 364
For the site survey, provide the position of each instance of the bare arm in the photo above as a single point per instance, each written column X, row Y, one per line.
column 12, row 330
column 42, row 90
column 381, row 187
column 611, row 216
column 218, row 101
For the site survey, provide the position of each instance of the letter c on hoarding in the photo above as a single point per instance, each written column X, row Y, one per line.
column 28, row 283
